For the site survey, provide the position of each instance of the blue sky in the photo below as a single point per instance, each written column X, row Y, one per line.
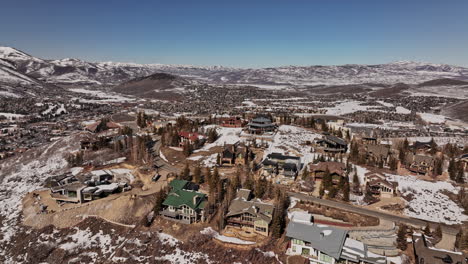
column 253, row 33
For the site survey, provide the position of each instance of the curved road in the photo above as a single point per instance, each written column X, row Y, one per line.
column 355, row 209
column 161, row 163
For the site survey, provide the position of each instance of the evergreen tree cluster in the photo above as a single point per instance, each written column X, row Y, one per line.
column 279, row 215
column 142, row 119
column 456, row 171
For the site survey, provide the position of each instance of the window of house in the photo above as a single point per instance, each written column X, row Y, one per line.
column 325, row 258
column 260, row 229
column 247, row 217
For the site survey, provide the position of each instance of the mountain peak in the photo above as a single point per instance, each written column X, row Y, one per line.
column 9, row 53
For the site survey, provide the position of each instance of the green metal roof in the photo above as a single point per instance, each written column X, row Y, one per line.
column 178, row 198
column 178, row 184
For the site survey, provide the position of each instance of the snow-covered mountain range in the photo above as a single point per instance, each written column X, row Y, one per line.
column 20, row 68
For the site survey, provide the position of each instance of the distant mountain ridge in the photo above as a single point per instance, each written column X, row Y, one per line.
column 78, row 72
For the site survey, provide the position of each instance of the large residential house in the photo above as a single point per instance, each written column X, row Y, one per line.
column 235, row 154
column 379, row 186
column 249, row 214
column 231, row 122
column 421, row 147
column 330, row 143
column 190, row 137
column 420, row 164
column 277, row 164
column 260, row 125
column 336, row 169
column 98, row 184
column 324, row 244
column 183, row 203
column 426, row 253
column 378, row 153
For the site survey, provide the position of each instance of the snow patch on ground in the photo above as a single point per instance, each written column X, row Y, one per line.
column 227, row 135
column 290, row 140
column 347, row 107
column 85, row 239
column 402, row 110
column 432, row 118
column 211, row 232
column 428, row 202
column 11, row 115
column 24, row 174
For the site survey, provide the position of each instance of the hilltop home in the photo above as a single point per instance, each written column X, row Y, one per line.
column 336, row 169
column 282, row 165
column 379, row 186
column 231, row 122
column 249, row 215
column 420, row 164
column 330, row 143
column 324, row 244
column 183, row 203
column 260, row 125
column 71, row 192
column 191, row 138
column 426, row 253
column 97, row 184
column 237, row 153
column 377, row 153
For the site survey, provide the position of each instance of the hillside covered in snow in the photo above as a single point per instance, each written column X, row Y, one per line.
column 75, row 71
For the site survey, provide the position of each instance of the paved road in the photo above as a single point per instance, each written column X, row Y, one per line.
column 368, row 212
column 162, row 164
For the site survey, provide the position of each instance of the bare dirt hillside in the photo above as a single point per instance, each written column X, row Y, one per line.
column 457, row 111
column 158, row 86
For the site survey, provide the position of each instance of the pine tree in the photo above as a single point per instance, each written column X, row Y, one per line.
column 438, row 166
column 278, row 223
column 393, row 163
column 186, row 173
column 401, row 238
column 433, row 147
column 160, row 197
column 452, row 169
column 248, row 183
column 342, row 182
column 406, row 145
column 208, row 178
column 459, row 240
column 321, row 191
column 438, row 232
column 346, row 192
column 327, row 181
column 260, row 187
column 460, row 173
column 305, row 173
column 427, row 230
column 212, row 135
column 197, row 175
column 236, row 181
column 187, row 149
column 214, row 179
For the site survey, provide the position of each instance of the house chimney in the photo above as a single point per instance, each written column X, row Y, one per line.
column 195, row 199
